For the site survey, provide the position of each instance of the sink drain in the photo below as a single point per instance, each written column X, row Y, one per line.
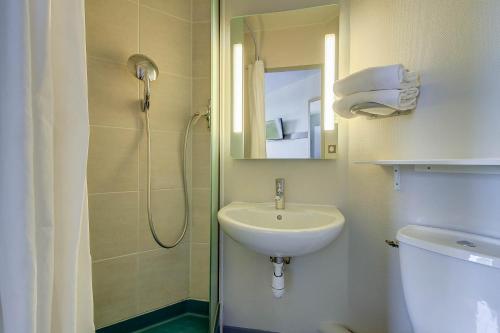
column 279, row 217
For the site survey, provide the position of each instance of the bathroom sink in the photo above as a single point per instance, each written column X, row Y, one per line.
column 296, row 230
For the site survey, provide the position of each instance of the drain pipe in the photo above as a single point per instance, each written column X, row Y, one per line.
column 278, row 282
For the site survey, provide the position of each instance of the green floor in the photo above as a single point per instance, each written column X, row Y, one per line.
column 187, row 323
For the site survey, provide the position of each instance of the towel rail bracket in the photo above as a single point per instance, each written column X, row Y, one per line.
column 361, row 110
column 397, row 177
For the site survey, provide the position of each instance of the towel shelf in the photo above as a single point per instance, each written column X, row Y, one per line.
column 488, row 166
column 358, row 109
column 479, row 162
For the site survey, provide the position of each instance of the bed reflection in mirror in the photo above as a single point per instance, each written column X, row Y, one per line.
column 292, row 109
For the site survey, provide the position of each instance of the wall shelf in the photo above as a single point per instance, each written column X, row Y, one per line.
column 476, row 166
column 450, row 162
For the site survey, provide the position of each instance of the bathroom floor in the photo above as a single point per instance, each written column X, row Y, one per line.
column 187, row 323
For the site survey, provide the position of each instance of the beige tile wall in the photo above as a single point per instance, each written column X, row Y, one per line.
column 200, row 231
column 131, row 274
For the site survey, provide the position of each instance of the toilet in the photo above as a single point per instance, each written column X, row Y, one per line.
column 331, row 327
column 451, row 280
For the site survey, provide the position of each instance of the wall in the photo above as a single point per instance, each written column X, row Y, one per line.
column 131, row 274
column 200, row 247
column 316, row 284
column 453, row 44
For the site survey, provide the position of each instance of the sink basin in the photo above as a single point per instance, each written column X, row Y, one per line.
column 296, row 230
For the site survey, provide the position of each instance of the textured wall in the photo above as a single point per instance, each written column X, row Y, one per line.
column 316, row 284
column 454, row 45
column 131, row 274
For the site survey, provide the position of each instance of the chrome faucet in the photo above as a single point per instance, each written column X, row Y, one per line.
column 279, row 199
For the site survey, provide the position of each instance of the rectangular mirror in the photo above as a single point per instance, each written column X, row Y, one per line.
column 283, row 68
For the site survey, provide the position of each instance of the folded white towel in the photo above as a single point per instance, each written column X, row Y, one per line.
column 394, row 99
column 376, row 78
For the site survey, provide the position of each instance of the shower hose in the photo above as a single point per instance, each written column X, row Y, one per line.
column 194, row 119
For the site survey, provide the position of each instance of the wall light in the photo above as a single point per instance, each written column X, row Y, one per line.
column 329, row 97
column 237, row 88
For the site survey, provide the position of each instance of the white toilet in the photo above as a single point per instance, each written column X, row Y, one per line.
column 331, row 327
column 451, row 280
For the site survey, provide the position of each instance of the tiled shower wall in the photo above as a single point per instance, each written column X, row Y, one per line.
column 131, row 274
column 200, row 235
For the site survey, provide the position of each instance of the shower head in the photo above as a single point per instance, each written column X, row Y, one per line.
column 142, row 67
column 146, row 70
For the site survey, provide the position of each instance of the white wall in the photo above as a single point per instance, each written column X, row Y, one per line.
column 454, row 45
column 316, row 284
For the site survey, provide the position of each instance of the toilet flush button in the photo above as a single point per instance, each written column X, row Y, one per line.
column 466, row 243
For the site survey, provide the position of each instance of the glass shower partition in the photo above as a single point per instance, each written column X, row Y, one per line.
column 214, row 170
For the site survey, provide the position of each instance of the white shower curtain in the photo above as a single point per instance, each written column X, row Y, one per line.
column 256, row 105
column 45, row 266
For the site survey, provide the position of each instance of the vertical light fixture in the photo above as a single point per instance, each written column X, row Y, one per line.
column 237, row 88
column 329, row 97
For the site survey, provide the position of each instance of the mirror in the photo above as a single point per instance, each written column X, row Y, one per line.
column 283, row 68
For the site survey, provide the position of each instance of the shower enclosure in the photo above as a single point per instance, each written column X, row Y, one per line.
column 133, row 276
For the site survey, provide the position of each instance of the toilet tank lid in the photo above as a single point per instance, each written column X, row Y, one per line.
column 470, row 247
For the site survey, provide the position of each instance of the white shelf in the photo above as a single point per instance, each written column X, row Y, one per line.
column 475, row 166
column 437, row 162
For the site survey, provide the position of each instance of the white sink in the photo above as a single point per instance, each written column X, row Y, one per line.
column 296, row 230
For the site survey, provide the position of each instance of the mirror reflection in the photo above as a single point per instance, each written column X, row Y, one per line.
column 283, row 68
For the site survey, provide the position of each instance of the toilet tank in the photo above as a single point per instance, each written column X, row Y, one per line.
column 451, row 280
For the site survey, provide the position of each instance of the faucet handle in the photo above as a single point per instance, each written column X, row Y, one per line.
column 280, row 185
column 280, row 193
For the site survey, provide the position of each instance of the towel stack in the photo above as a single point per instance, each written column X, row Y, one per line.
column 393, row 87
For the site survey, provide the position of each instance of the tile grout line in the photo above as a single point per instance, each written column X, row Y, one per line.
column 139, row 191
column 136, row 253
column 110, row 61
column 191, row 159
column 139, row 129
column 115, row 127
column 114, row 192
column 138, row 198
column 167, row 14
